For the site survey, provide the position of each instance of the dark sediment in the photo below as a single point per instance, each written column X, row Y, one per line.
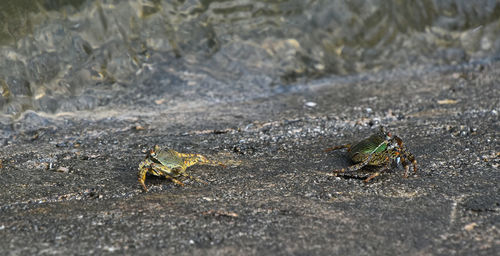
column 74, row 189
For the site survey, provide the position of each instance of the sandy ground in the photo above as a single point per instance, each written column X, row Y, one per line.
column 74, row 190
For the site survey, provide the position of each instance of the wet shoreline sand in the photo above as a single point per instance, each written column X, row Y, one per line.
column 74, row 190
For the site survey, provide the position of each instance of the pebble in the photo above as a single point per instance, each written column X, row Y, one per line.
column 311, row 104
column 62, row 169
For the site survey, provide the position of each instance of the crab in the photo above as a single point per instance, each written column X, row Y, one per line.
column 170, row 164
column 380, row 150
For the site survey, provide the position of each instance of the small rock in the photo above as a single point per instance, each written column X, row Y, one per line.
column 159, row 102
column 311, row 104
column 62, row 169
column 470, row 226
column 138, row 128
column 447, row 102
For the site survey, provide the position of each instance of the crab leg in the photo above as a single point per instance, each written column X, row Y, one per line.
column 337, row 147
column 142, row 173
column 385, row 168
column 176, row 181
column 192, row 159
column 142, row 177
column 194, row 178
column 371, row 177
column 166, row 172
column 355, row 167
column 414, row 162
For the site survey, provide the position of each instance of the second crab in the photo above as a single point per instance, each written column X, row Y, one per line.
column 170, row 164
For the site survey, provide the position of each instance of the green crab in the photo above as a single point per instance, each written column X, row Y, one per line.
column 380, row 149
column 170, row 164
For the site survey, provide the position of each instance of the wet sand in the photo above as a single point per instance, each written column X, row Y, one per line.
column 74, row 190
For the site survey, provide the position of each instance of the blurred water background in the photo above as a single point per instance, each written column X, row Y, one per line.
column 64, row 56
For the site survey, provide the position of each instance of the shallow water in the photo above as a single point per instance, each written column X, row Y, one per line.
column 67, row 56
